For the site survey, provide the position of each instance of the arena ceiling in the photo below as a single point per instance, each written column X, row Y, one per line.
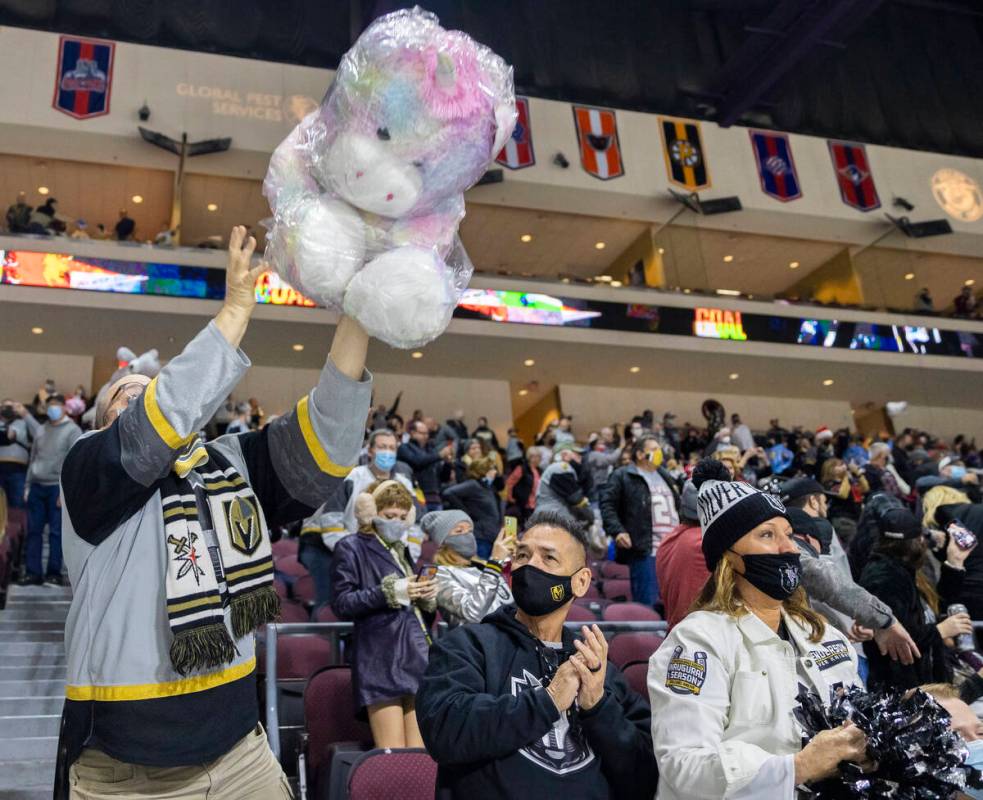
column 895, row 72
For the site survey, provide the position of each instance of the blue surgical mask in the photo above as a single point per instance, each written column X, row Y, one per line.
column 55, row 413
column 958, row 472
column 975, row 759
column 385, row 460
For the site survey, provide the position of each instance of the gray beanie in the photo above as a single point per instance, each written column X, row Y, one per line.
column 688, row 507
column 438, row 524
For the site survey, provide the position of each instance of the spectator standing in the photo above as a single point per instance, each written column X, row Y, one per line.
column 516, row 706
column 479, row 499
column 847, row 488
column 124, row 227
column 881, row 474
column 894, row 574
column 48, row 453
column 522, row 486
column 39, row 406
column 639, row 507
column 482, row 431
column 18, row 429
column 427, row 463
column 965, row 303
column 680, row 568
column 165, row 236
column 565, row 485
column 740, row 434
column 923, row 301
column 375, row 587
column 602, row 458
column 81, row 230
column 241, row 423
column 43, row 217
column 944, row 505
column 19, row 215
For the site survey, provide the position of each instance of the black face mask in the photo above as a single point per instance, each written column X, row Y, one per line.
column 775, row 574
column 822, row 530
column 539, row 593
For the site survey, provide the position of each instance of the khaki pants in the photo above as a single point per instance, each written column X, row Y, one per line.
column 249, row 771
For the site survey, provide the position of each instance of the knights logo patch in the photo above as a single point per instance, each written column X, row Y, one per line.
column 557, row 592
column 84, row 77
column 831, row 654
column 597, row 136
column 684, row 675
column 517, row 151
column 776, row 167
column 564, row 749
column 682, row 146
column 853, row 176
column 789, row 577
column 242, row 518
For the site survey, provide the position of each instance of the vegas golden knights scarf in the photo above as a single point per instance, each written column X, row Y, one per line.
column 194, row 604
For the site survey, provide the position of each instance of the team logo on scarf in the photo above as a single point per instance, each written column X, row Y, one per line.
column 243, row 521
column 597, row 135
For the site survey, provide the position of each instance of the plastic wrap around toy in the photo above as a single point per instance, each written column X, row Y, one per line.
column 367, row 192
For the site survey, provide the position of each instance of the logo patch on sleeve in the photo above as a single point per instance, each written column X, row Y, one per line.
column 686, row 676
column 831, row 654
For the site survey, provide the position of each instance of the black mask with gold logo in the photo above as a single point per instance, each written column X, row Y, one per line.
column 539, row 593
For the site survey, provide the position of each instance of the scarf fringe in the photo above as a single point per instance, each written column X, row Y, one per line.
column 202, row 648
column 252, row 609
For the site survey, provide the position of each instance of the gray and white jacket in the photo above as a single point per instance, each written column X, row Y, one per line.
column 123, row 694
column 469, row 594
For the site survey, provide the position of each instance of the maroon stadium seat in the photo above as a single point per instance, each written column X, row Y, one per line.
column 281, row 588
column 293, row 612
column 383, row 774
column 580, row 613
column 304, row 590
column 627, row 647
column 325, row 614
column 617, row 589
column 299, row 657
column 630, row 612
column 329, row 718
column 290, row 566
column 284, row 548
column 593, row 593
column 612, row 569
column 636, row 673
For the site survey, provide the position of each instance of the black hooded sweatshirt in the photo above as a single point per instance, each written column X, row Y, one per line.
column 495, row 732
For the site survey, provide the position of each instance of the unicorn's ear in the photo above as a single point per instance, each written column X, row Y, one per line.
column 505, row 119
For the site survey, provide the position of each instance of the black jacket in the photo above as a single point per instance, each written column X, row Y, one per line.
column 426, row 463
column 626, row 505
column 970, row 515
column 894, row 583
column 478, row 501
column 494, row 731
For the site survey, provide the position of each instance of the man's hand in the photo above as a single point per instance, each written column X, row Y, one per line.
column 822, row 756
column 503, row 547
column 564, row 686
column 447, row 452
column 19, row 410
column 240, row 287
column 591, row 662
column 894, row 641
column 623, row 540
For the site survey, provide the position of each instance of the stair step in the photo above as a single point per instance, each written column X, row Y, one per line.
column 28, row 792
column 41, row 612
column 31, row 706
column 36, row 660
column 29, row 727
column 14, row 689
column 33, row 650
column 40, row 748
column 30, row 773
column 33, row 672
column 30, row 636
column 24, row 625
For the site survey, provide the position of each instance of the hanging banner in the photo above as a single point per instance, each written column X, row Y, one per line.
column 84, row 77
column 682, row 146
column 597, row 134
column 517, row 152
column 853, row 175
column 776, row 167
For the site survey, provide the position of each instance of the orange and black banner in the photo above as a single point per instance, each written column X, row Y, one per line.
column 682, row 145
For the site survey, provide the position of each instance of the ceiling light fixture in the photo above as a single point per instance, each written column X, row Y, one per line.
column 529, row 362
column 633, row 370
column 604, row 279
column 298, row 347
column 37, row 331
column 137, row 199
column 523, row 392
column 212, row 207
column 909, row 276
column 526, row 237
column 793, row 264
column 42, row 190
column 599, row 245
column 728, row 259
column 662, row 251
column 828, row 382
column 729, row 292
column 970, row 282
column 617, row 284
column 417, row 354
column 734, row 376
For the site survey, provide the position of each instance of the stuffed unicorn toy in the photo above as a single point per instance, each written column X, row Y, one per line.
column 367, row 192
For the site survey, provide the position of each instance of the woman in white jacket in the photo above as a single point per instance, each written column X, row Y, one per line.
column 468, row 588
column 724, row 682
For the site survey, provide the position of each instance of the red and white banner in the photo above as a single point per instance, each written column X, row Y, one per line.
column 597, row 134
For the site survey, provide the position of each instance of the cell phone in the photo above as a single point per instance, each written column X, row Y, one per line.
column 511, row 528
column 963, row 536
column 427, row 571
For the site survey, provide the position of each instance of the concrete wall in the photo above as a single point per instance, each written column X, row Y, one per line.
column 21, row 374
